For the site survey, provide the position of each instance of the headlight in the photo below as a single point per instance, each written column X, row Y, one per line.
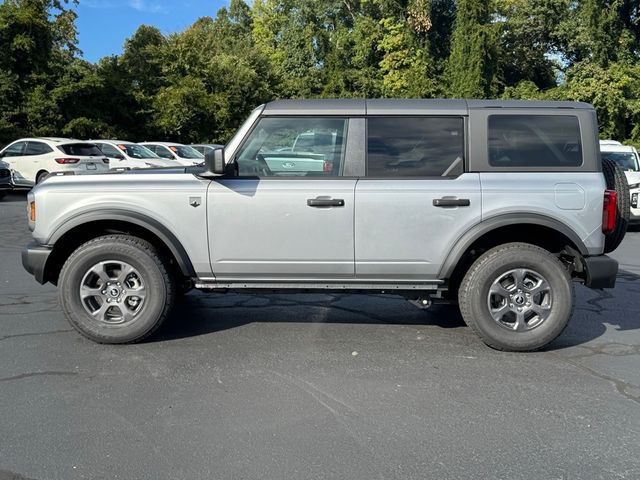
column 150, row 165
column 635, row 185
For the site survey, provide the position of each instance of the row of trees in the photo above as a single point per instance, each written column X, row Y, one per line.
column 199, row 84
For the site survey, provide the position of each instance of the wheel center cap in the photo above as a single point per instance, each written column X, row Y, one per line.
column 114, row 292
column 519, row 299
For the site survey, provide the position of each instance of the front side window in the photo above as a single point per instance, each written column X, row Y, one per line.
column 15, row 150
column 415, row 147
column 109, row 150
column 534, row 141
column 37, row 148
column 294, row 146
column 164, row 153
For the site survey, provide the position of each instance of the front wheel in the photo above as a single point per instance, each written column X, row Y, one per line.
column 517, row 297
column 116, row 289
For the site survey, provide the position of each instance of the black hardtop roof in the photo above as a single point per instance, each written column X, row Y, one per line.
column 404, row 106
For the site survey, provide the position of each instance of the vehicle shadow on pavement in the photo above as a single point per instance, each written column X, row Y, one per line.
column 597, row 310
column 201, row 314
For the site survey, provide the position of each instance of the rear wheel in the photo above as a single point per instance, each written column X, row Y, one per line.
column 41, row 176
column 617, row 181
column 116, row 289
column 517, row 297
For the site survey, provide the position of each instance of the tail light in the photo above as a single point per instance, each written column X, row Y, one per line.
column 32, row 211
column 105, row 160
column 67, row 161
column 609, row 211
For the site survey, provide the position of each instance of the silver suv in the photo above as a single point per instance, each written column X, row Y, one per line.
column 496, row 206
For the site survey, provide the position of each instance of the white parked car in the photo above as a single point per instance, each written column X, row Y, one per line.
column 627, row 157
column 182, row 154
column 129, row 155
column 32, row 159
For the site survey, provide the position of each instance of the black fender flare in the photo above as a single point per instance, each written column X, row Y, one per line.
column 486, row 226
column 136, row 218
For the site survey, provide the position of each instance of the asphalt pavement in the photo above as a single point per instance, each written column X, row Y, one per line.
column 314, row 387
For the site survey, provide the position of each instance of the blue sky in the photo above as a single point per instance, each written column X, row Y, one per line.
column 104, row 25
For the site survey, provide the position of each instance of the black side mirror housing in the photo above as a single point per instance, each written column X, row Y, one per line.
column 214, row 162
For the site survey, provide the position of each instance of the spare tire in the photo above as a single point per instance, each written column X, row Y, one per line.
column 617, row 181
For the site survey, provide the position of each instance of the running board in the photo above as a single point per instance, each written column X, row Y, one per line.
column 433, row 286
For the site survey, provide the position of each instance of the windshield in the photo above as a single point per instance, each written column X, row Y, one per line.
column 184, row 151
column 82, row 149
column 137, row 151
column 627, row 160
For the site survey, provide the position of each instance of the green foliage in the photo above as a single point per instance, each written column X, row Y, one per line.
column 199, row 84
column 472, row 61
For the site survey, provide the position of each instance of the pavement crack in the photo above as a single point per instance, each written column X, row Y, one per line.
column 36, row 374
column 30, row 334
column 601, row 296
column 621, row 386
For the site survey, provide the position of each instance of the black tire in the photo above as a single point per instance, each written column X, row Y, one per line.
column 473, row 297
column 140, row 255
column 2, row 195
column 41, row 176
column 616, row 180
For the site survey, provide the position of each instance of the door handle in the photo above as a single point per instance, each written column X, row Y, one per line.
column 451, row 202
column 325, row 202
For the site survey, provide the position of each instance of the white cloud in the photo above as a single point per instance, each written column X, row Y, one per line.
column 146, row 6
column 149, row 7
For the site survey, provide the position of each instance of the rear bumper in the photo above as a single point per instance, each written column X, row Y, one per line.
column 34, row 260
column 600, row 272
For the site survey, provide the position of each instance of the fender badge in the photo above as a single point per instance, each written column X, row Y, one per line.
column 195, row 201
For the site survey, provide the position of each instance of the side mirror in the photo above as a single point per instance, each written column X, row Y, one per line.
column 120, row 156
column 214, row 162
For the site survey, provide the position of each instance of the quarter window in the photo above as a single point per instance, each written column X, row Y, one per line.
column 534, row 141
column 415, row 147
column 294, row 146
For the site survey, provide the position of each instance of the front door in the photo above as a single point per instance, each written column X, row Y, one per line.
column 23, row 172
column 415, row 200
column 288, row 216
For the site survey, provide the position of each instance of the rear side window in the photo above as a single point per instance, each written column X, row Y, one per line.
column 37, row 148
column 415, row 147
column 534, row 141
column 81, row 149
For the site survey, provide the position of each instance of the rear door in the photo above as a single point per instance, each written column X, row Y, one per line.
column 416, row 199
column 39, row 154
column 288, row 216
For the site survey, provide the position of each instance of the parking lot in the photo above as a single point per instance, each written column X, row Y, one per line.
column 314, row 386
